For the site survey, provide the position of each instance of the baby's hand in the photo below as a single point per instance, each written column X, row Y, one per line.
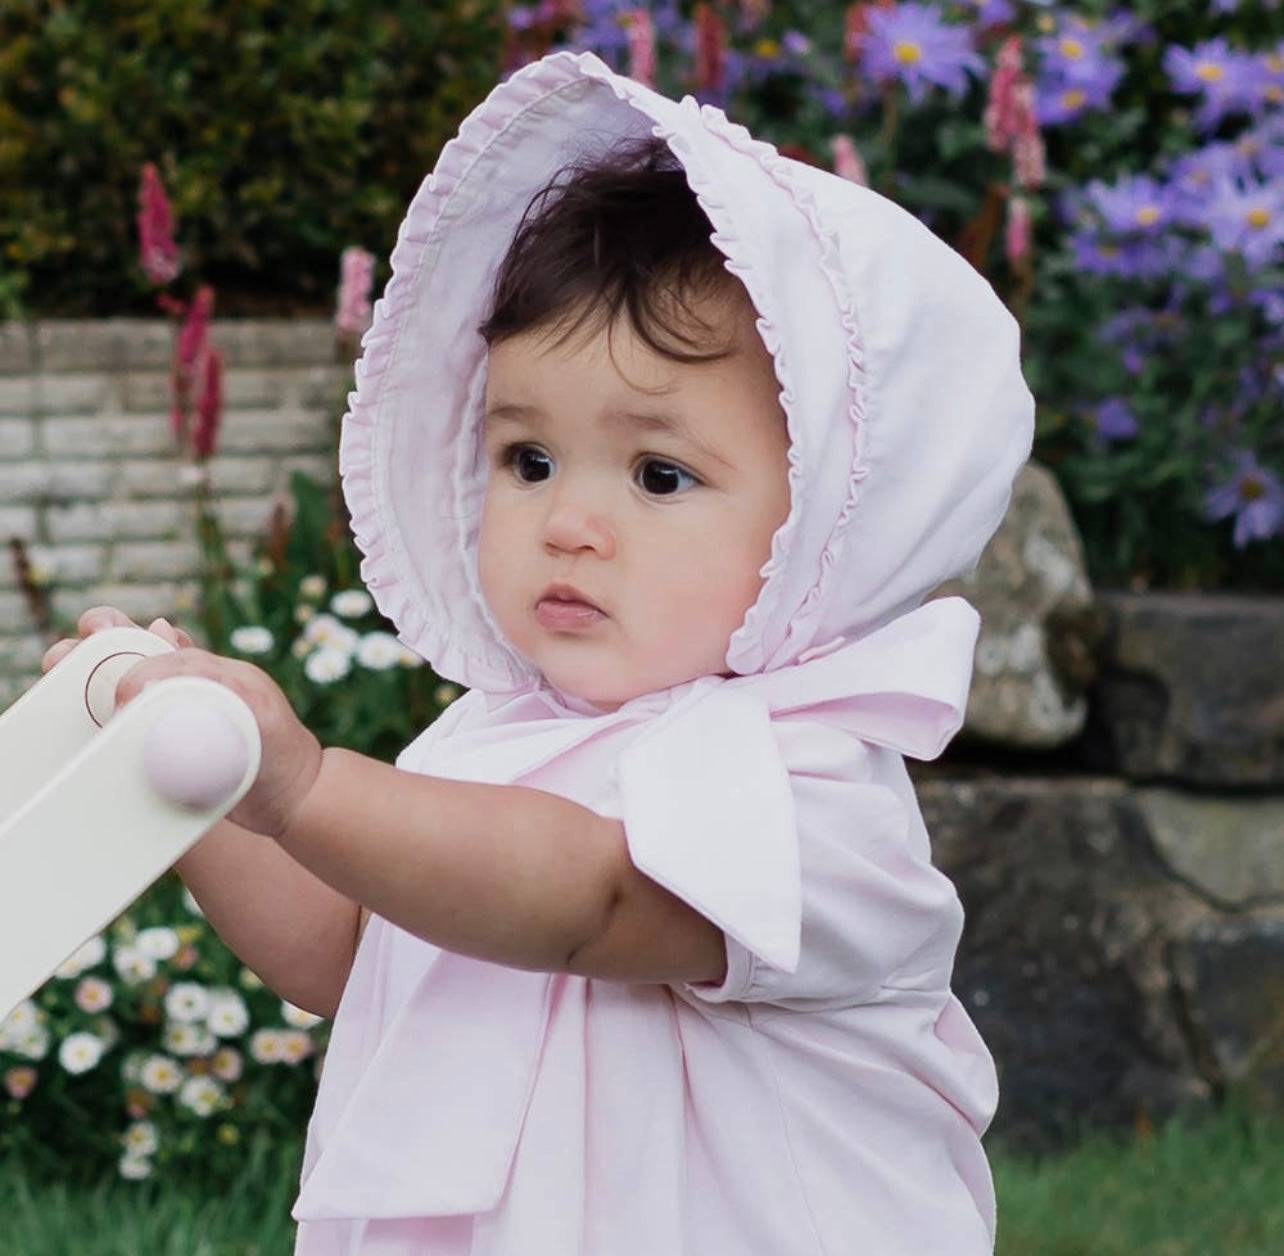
column 291, row 754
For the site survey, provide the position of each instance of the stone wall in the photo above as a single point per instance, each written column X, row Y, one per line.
column 89, row 478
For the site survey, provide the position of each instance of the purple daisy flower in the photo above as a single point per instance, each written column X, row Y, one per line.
column 1226, row 81
column 1074, row 53
column 1057, row 101
column 1247, row 218
column 1111, row 420
column 911, row 43
column 1134, row 205
column 993, row 12
column 1253, row 495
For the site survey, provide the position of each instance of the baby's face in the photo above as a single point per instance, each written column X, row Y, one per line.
column 630, row 505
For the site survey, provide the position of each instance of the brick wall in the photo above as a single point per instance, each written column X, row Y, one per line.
column 89, row 476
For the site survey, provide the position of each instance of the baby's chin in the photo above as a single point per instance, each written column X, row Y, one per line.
column 608, row 696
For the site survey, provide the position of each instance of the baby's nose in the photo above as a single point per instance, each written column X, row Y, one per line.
column 577, row 522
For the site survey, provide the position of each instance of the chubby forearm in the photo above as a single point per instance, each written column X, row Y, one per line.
column 503, row 873
column 286, row 924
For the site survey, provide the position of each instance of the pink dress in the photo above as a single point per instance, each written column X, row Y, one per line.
column 827, row 1097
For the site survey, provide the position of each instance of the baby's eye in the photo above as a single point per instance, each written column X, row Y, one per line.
column 529, row 463
column 663, row 479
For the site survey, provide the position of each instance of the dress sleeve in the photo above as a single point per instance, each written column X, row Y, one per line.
column 796, row 839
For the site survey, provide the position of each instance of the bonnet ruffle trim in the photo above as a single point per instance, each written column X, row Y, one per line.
column 386, row 567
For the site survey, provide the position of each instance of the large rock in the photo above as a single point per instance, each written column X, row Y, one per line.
column 1230, row 849
column 1192, row 688
column 1064, row 962
column 1231, row 980
column 1034, row 659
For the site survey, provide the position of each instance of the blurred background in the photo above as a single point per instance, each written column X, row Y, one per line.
column 197, row 202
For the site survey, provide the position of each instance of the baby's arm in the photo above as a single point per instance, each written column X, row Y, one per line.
column 287, row 925
column 501, row 872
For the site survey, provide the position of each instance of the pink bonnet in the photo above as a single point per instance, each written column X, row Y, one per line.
column 898, row 366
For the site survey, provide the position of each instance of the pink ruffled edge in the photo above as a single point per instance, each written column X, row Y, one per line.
column 385, row 565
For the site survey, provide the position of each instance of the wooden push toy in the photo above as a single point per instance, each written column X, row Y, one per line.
column 94, row 806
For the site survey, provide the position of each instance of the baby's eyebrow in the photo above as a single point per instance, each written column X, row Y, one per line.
column 664, row 423
column 509, row 412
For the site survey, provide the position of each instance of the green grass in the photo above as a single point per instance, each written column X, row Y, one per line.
column 1212, row 1189
column 1207, row 1190
column 251, row 1217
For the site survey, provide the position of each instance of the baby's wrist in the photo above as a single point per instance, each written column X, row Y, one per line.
column 294, row 821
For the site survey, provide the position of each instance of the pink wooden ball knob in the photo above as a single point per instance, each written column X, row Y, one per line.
column 194, row 755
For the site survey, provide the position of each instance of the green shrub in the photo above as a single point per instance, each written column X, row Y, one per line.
column 284, row 132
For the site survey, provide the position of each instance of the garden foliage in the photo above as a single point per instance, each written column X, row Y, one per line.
column 284, row 131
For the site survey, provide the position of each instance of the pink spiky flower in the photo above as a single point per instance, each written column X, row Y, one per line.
column 711, row 45
column 157, row 252
column 848, row 163
column 641, row 47
column 209, row 407
column 356, row 277
column 1019, row 232
column 189, row 356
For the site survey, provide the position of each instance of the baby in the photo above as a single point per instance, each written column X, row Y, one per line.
column 659, row 443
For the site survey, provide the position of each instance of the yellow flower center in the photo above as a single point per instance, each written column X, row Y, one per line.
column 1071, row 48
column 1251, row 488
column 1073, row 98
column 1258, row 217
column 907, row 53
column 767, row 48
column 1210, row 72
column 1147, row 216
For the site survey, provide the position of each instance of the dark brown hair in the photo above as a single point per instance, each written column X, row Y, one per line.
column 622, row 236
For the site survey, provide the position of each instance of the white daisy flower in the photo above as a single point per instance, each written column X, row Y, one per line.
column 445, row 694
column 132, row 965
column 187, row 1040
column 159, row 943
column 252, row 639
column 34, row 1044
column 191, row 904
column 140, row 1139
column 160, row 1075
column 21, row 1020
column 327, row 665
column 351, row 603
column 312, row 587
column 267, row 1046
column 409, row 658
column 301, row 648
column 227, row 1064
column 304, row 614
column 296, row 1046
column 187, row 1001
column 378, row 651
column 93, row 994
column 78, row 1053
column 250, row 980
column 134, row 1168
column 202, row 1095
column 90, row 955
column 228, row 1016
column 297, row 1017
